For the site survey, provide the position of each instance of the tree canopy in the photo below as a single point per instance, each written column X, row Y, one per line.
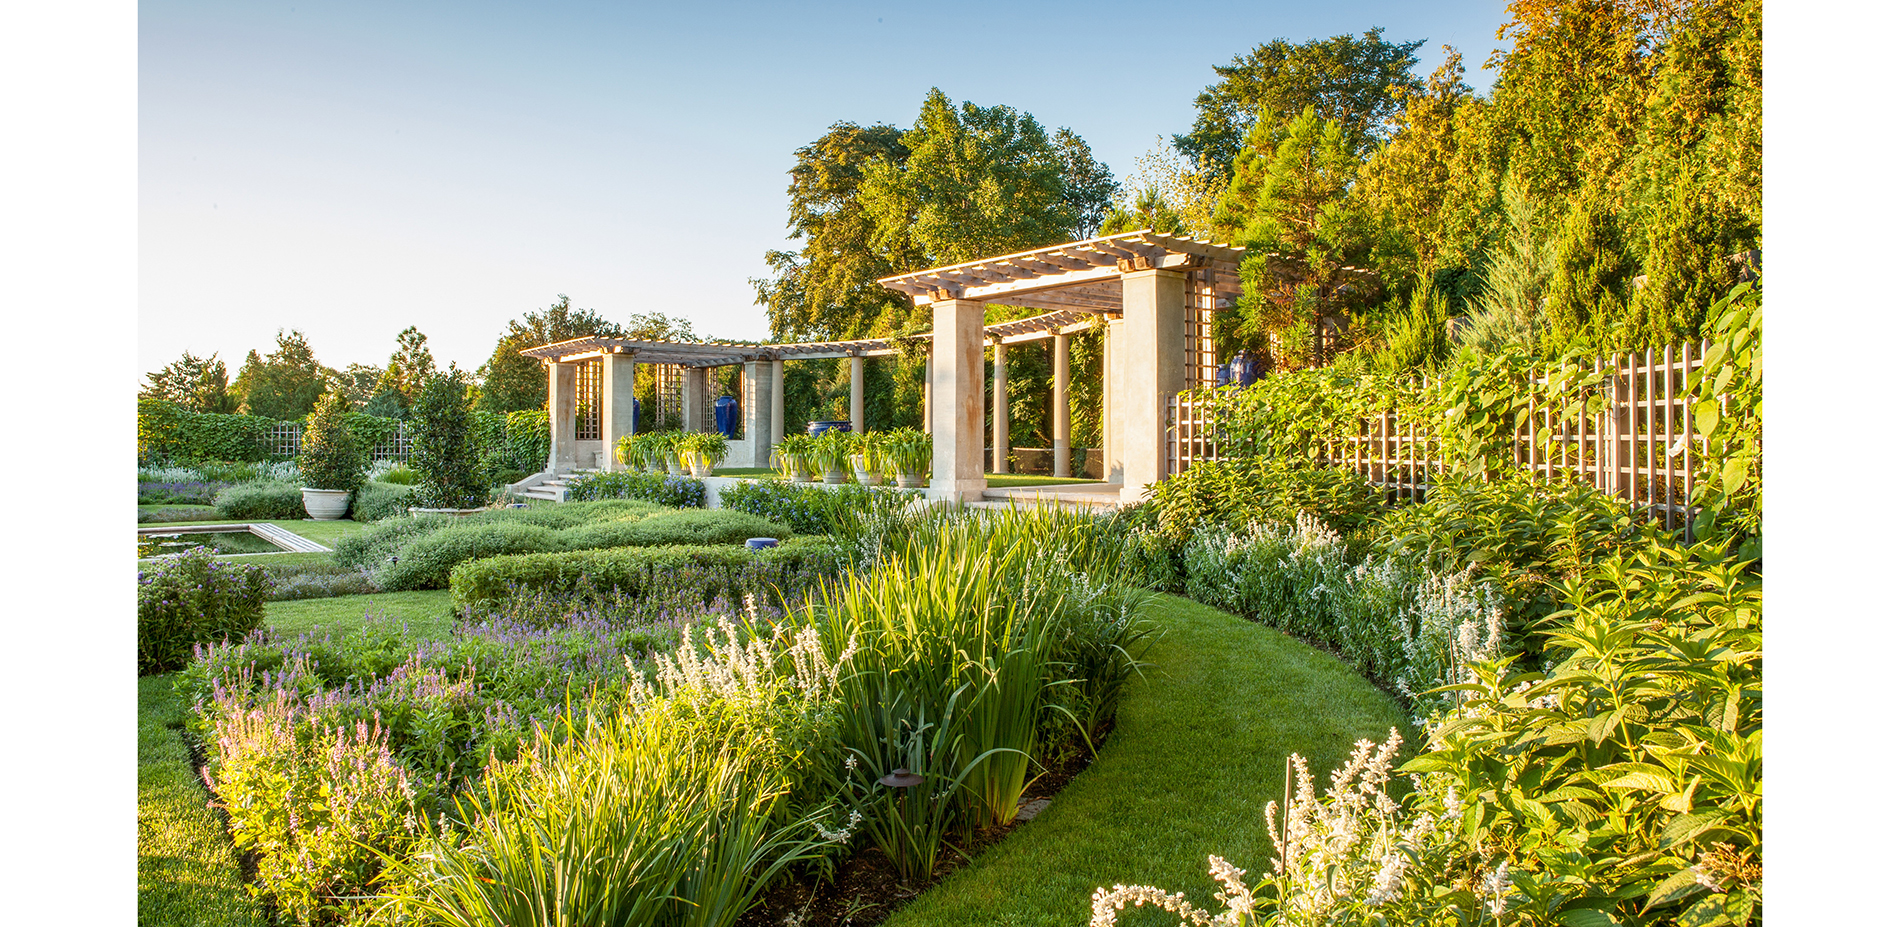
column 511, row 382
column 284, row 384
column 196, row 383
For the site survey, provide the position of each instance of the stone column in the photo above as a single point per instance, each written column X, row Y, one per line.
column 1154, row 367
column 693, row 398
column 1060, row 413
column 999, row 411
column 926, row 420
column 561, row 380
column 778, row 401
column 616, row 404
column 956, row 410
column 1112, row 401
column 857, row 395
column 757, row 408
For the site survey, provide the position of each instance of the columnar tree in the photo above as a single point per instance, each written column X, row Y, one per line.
column 442, row 454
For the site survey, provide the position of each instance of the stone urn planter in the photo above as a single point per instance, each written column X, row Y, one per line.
column 673, row 468
column 910, row 481
column 866, row 477
column 326, row 504
column 700, row 466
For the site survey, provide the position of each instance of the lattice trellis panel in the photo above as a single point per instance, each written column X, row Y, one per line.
column 587, row 401
column 669, row 394
column 1201, row 360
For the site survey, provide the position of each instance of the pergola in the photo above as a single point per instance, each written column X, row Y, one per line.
column 1154, row 294
column 762, row 396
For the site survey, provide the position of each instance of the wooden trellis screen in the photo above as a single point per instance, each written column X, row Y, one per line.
column 1642, row 447
column 286, row 440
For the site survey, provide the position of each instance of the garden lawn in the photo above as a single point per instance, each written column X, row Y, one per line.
column 188, row 873
column 1004, row 480
column 427, row 612
column 1198, row 750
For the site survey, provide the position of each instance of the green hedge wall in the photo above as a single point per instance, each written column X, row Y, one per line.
column 171, row 432
column 791, row 569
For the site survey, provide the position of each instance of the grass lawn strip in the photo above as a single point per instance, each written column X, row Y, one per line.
column 188, row 872
column 1006, row 480
column 427, row 613
column 1198, row 751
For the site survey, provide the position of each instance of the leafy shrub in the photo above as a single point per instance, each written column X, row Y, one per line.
column 699, row 527
column 789, row 570
column 425, row 562
column 444, row 453
column 377, row 501
column 1260, row 489
column 330, row 457
column 527, row 436
column 373, row 546
column 304, row 579
column 676, row 491
column 1622, row 785
column 192, row 599
column 811, row 509
column 261, row 501
column 171, row 432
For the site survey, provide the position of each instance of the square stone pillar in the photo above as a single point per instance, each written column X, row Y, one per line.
column 956, row 398
column 999, row 411
column 857, row 395
column 756, row 404
column 616, row 404
column 561, row 385
column 778, row 401
column 1059, row 413
column 693, row 398
column 1153, row 367
column 926, row 418
column 1112, row 350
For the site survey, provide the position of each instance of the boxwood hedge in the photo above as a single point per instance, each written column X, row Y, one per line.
column 790, row 570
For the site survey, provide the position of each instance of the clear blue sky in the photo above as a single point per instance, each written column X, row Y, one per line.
column 349, row 169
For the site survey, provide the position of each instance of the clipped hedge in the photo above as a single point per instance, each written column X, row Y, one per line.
column 168, row 431
column 261, row 500
column 425, row 562
column 791, row 569
column 678, row 491
column 691, row 527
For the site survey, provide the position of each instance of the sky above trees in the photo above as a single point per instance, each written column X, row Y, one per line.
column 350, row 170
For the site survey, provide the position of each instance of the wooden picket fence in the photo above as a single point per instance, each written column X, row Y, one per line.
column 1642, row 447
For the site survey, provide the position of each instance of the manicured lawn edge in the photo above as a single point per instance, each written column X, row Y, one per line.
column 1198, row 751
column 188, row 872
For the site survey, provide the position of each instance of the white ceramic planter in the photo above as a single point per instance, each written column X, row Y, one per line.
column 910, row 480
column 326, row 504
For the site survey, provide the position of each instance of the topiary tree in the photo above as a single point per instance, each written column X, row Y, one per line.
column 331, row 458
column 452, row 475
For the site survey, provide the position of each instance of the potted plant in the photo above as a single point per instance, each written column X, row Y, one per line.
column 669, row 445
column 908, row 457
column 626, row 452
column 330, row 460
column 831, row 454
column 701, row 451
column 789, row 456
column 867, row 458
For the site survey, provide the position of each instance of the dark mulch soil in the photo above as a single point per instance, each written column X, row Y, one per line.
column 866, row 890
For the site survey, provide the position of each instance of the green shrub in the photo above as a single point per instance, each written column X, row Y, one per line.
column 399, row 476
column 677, row 491
column 377, row 501
column 789, row 570
column 192, row 599
column 330, row 457
column 528, row 437
column 812, row 509
column 445, row 453
column 1260, row 489
column 425, row 562
column 261, row 501
column 692, row 527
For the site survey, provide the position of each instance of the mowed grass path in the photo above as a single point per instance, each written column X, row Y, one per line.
column 188, row 872
column 1198, row 751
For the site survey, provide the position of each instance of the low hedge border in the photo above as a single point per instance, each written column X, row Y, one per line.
column 788, row 569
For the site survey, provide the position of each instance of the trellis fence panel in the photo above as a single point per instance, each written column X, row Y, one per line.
column 1640, row 447
column 286, row 440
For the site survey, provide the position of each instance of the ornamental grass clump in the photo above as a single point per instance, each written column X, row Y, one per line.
column 677, row 807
